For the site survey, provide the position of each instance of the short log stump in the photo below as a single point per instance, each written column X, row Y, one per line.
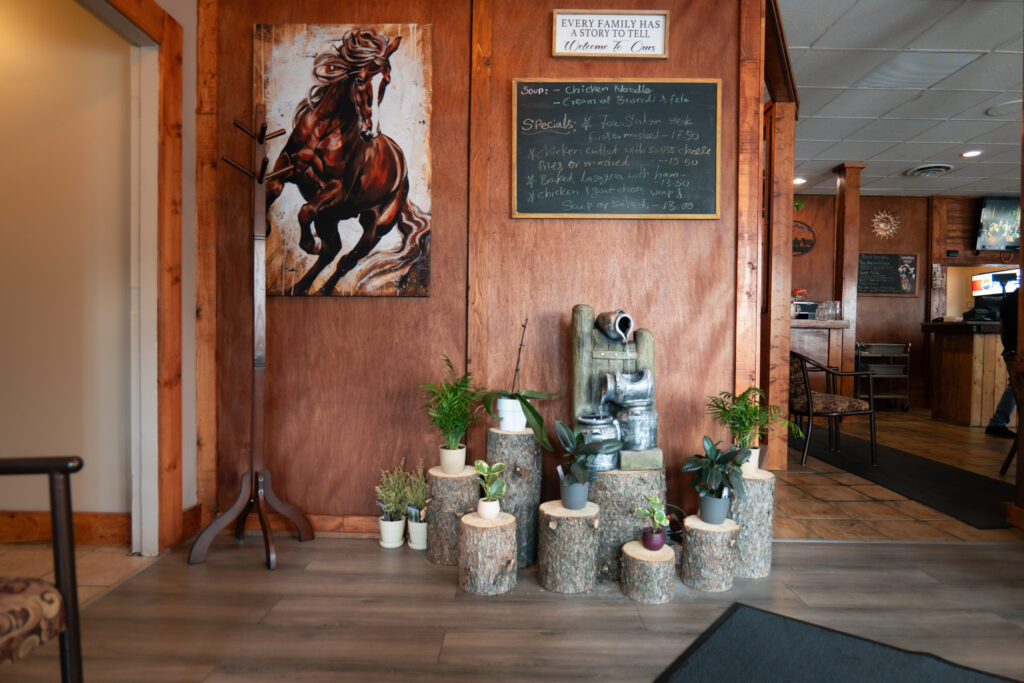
column 648, row 576
column 568, row 547
column 487, row 554
column 450, row 497
column 618, row 494
column 755, row 515
column 709, row 555
column 520, row 452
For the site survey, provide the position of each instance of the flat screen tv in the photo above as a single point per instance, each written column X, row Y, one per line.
column 999, row 228
column 996, row 282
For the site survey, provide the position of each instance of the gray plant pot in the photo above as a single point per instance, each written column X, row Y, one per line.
column 714, row 510
column 574, row 496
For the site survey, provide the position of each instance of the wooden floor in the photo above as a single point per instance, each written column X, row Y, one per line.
column 347, row 610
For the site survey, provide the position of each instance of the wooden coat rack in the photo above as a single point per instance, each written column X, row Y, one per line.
column 256, row 491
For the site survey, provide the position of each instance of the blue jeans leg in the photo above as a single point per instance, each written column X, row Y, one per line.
column 1004, row 410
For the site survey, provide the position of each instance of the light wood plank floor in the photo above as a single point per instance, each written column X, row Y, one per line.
column 347, row 610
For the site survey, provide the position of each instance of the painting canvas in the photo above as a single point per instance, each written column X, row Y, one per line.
column 349, row 182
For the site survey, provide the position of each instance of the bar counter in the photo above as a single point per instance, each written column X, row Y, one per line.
column 968, row 374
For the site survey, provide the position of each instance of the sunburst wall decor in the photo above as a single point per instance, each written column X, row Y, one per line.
column 885, row 224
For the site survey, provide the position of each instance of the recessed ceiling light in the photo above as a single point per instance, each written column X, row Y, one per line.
column 799, row 181
column 971, row 153
column 1004, row 108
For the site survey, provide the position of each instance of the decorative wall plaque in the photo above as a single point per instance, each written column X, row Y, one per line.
column 803, row 238
column 885, row 224
column 609, row 33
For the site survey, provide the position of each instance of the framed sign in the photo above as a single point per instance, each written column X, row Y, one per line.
column 616, row 148
column 609, row 33
column 887, row 275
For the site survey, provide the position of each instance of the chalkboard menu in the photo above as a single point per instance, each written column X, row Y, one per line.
column 602, row 148
column 887, row 274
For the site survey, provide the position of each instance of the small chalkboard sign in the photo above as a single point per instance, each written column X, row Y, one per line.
column 887, row 275
column 627, row 148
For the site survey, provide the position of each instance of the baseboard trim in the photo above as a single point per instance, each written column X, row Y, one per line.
column 90, row 528
column 359, row 524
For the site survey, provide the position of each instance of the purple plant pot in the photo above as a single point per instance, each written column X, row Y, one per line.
column 652, row 541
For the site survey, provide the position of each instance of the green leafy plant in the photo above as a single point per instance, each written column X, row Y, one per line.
column 393, row 492
column 533, row 418
column 717, row 469
column 655, row 513
column 798, row 204
column 489, row 479
column 746, row 417
column 580, row 455
column 416, row 483
column 453, row 405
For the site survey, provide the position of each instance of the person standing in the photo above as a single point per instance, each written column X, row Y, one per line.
column 998, row 423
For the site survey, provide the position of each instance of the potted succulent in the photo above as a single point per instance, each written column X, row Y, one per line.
column 653, row 536
column 452, row 406
column 393, row 497
column 748, row 419
column 717, row 471
column 577, row 473
column 494, row 488
column 514, row 410
column 416, row 484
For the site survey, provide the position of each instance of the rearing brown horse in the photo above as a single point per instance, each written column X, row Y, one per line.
column 341, row 163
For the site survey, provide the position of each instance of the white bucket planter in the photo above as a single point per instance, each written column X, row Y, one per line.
column 751, row 465
column 453, row 461
column 488, row 509
column 418, row 535
column 510, row 415
column 392, row 534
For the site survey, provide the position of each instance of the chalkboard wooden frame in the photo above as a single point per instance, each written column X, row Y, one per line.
column 916, row 260
column 716, row 82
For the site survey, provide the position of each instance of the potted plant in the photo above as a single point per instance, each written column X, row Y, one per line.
column 577, row 473
column 748, row 419
column 653, row 536
column 514, row 410
column 393, row 497
column 493, row 486
column 452, row 406
column 717, row 471
column 416, row 484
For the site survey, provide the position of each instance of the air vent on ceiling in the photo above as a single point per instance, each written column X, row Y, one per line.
column 929, row 170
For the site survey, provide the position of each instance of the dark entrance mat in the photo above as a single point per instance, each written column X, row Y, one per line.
column 969, row 497
column 750, row 644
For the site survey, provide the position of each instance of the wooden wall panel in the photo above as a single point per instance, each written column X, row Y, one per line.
column 813, row 271
column 675, row 277
column 343, row 373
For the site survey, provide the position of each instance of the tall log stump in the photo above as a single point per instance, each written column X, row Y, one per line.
column 451, row 496
column 618, row 493
column 648, row 576
column 568, row 547
column 709, row 556
column 520, row 452
column 487, row 554
column 755, row 514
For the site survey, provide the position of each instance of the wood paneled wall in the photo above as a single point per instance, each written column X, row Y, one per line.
column 813, row 271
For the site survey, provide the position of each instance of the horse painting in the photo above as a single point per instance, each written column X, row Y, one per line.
column 344, row 167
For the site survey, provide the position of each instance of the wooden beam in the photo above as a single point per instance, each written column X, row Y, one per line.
column 145, row 14
column 90, row 528
column 847, row 255
column 748, row 193
column 778, row 70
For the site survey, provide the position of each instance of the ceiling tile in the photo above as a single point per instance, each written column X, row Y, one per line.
column 990, row 152
column 814, row 168
column 808, row 149
column 1008, row 133
column 996, row 71
column 881, row 169
column 940, row 105
column 916, row 152
column 884, row 23
column 853, row 151
column 931, row 185
column 916, row 69
column 986, row 170
column 990, row 186
column 895, row 130
column 973, row 26
column 871, row 102
column 806, row 20
column 1013, row 45
column 818, row 128
column 1009, row 154
column 955, row 132
column 831, row 68
column 813, row 99
column 1009, row 113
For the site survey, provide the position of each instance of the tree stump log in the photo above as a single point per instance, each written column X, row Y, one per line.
column 648, row 576
column 755, row 514
column 450, row 496
column 520, row 452
column 709, row 555
column 487, row 554
column 568, row 547
column 618, row 494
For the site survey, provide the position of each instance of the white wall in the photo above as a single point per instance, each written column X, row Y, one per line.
column 64, row 260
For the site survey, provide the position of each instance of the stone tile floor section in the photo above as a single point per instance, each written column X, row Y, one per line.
column 818, row 501
column 98, row 568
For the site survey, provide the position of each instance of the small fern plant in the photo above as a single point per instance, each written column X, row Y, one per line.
column 745, row 416
column 490, row 480
column 453, row 405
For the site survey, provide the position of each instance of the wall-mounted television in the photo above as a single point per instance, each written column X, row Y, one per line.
column 996, row 282
column 999, row 227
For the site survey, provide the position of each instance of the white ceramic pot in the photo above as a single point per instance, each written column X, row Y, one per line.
column 510, row 415
column 488, row 509
column 392, row 534
column 752, row 463
column 418, row 535
column 453, row 461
